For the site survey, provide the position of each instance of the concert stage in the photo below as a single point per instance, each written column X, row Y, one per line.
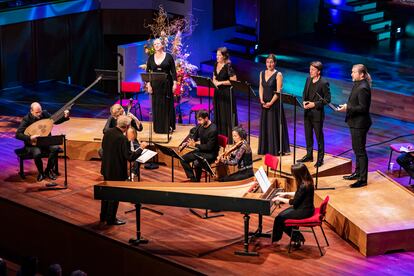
column 377, row 219
column 84, row 138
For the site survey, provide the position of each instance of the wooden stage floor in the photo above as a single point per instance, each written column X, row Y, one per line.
column 177, row 237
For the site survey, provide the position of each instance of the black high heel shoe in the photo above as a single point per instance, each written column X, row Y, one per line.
column 299, row 242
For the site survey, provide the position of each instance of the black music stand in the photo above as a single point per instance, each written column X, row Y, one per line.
column 173, row 154
column 55, row 140
column 334, row 108
column 245, row 87
column 293, row 100
column 111, row 75
column 207, row 82
column 206, row 166
column 155, row 76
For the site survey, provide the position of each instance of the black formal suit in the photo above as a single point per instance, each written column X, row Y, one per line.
column 302, row 207
column 116, row 154
column 37, row 151
column 314, row 117
column 359, row 122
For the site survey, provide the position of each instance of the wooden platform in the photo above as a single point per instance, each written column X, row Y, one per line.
column 377, row 219
column 84, row 138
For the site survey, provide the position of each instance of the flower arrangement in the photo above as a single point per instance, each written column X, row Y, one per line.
column 172, row 33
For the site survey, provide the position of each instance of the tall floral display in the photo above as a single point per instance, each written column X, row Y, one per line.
column 173, row 33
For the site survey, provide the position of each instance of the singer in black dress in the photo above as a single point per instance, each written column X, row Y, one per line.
column 269, row 138
column 163, row 112
column 224, row 100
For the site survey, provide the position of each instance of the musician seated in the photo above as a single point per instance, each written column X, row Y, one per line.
column 135, row 145
column 207, row 147
column 116, row 111
column 242, row 157
column 301, row 201
column 36, row 113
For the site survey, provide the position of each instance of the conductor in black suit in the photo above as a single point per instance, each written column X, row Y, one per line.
column 314, row 106
column 116, row 154
column 359, row 122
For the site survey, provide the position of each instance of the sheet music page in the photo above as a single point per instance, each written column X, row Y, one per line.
column 263, row 180
column 406, row 149
column 146, row 155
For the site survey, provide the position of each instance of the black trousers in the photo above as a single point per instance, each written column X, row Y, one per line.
column 198, row 166
column 359, row 141
column 279, row 223
column 108, row 210
column 37, row 156
column 239, row 175
column 312, row 126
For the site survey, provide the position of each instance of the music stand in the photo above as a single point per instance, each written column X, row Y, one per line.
column 206, row 166
column 170, row 152
column 111, row 75
column 46, row 141
column 155, row 76
column 206, row 82
column 244, row 87
column 293, row 100
column 334, row 108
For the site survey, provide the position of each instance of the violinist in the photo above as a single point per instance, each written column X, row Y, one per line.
column 205, row 142
column 241, row 156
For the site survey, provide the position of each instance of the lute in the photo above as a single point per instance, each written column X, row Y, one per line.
column 43, row 127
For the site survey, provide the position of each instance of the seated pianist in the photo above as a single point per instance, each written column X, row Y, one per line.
column 135, row 146
column 207, row 147
column 242, row 157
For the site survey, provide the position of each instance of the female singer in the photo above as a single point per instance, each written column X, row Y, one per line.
column 269, row 139
column 135, row 145
column 162, row 91
column 302, row 204
column 225, row 112
column 242, row 157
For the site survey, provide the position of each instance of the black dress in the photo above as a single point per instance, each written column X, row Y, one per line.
column 269, row 121
column 163, row 112
column 224, row 100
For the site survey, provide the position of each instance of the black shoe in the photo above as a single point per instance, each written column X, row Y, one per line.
column 319, row 163
column 305, row 159
column 40, row 177
column 359, row 184
column 50, row 175
column 353, row 176
column 116, row 222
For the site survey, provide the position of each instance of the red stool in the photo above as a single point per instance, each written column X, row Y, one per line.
column 201, row 92
column 131, row 88
column 396, row 148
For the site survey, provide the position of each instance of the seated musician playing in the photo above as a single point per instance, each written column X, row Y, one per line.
column 207, row 147
column 36, row 113
column 302, row 204
column 116, row 111
column 242, row 157
column 135, row 145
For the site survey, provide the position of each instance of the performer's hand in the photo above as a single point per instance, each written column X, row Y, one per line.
column 262, row 102
column 342, row 108
column 191, row 143
column 174, row 87
column 133, row 117
column 143, row 145
column 281, row 194
column 66, row 113
column 267, row 105
column 216, row 82
column 310, row 105
column 277, row 198
column 149, row 87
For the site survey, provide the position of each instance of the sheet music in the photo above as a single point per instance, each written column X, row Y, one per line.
column 146, row 155
column 406, row 149
column 263, row 180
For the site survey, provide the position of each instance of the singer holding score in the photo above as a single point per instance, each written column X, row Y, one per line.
column 359, row 121
column 205, row 144
column 316, row 94
column 162, row 91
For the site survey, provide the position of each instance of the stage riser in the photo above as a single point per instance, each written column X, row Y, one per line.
column 27, row 232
